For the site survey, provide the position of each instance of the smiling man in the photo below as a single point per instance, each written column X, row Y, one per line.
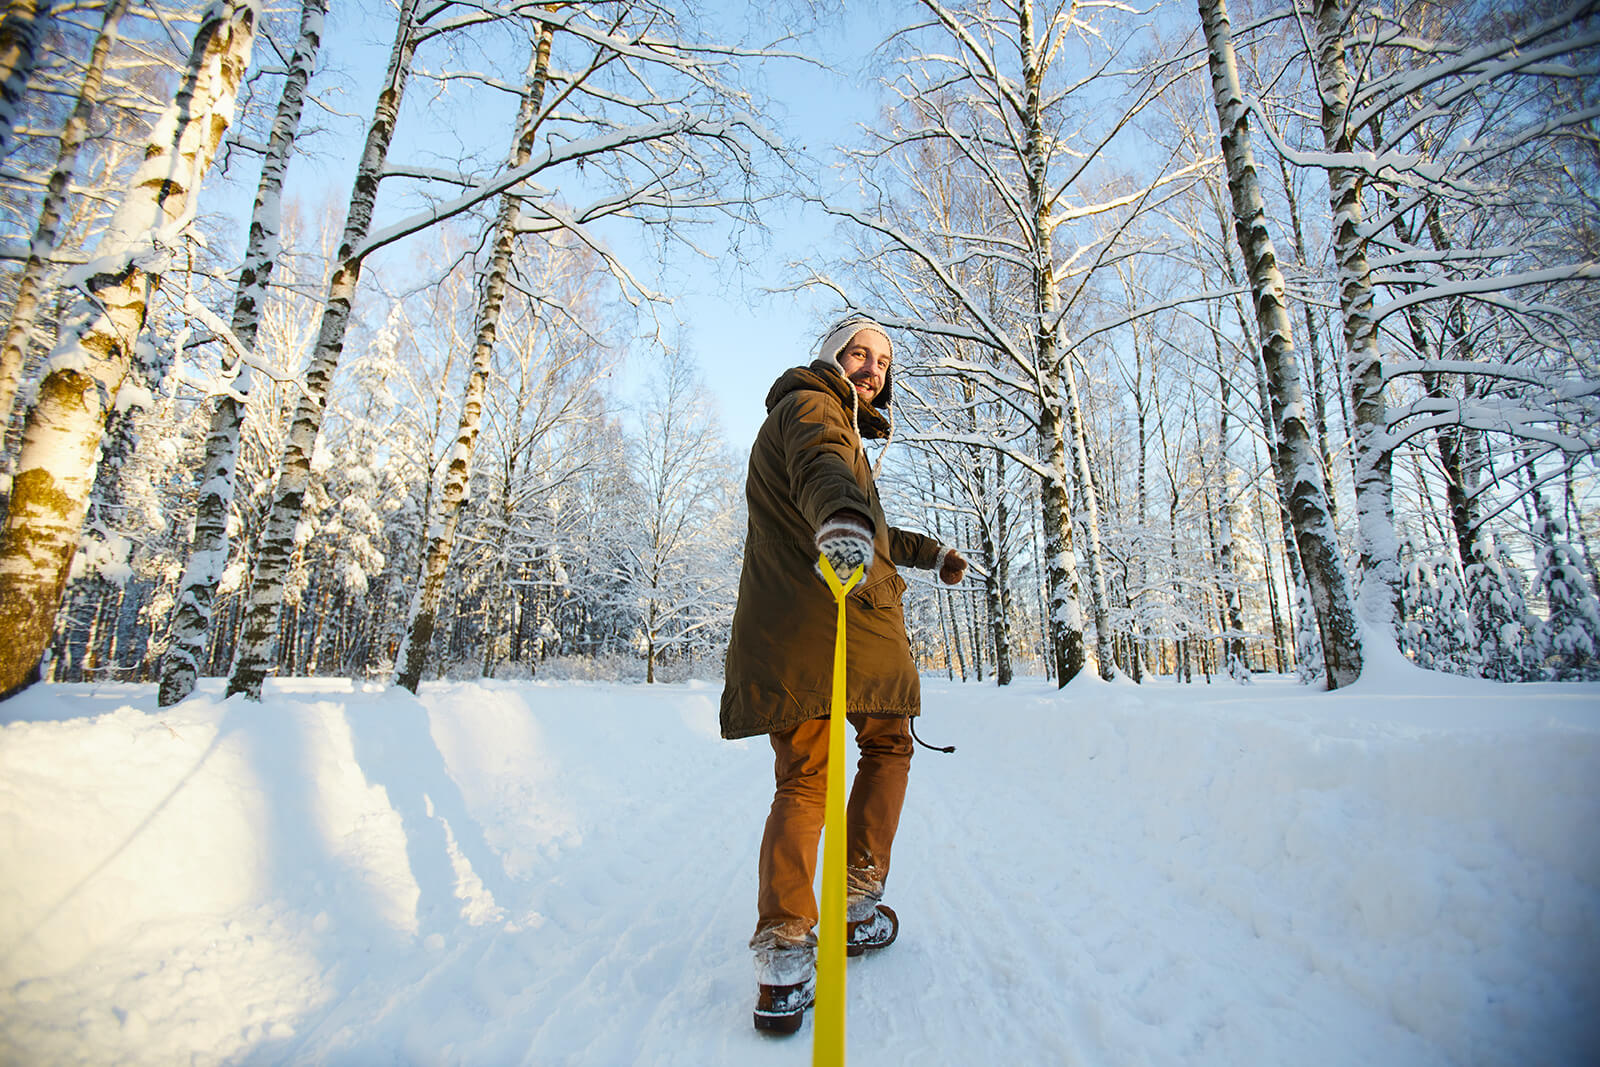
column 810, row 489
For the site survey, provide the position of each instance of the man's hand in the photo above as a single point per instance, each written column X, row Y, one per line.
column 846, row 540
column 952, row 566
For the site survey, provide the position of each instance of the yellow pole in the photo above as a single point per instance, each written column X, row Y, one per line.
column 827, row 1039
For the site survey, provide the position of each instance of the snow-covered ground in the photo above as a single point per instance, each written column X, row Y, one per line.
column 1405, row 872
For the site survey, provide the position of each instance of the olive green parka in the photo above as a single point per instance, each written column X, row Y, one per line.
column 807, row 463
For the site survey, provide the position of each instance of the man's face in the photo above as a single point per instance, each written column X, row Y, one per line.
column 865, row 361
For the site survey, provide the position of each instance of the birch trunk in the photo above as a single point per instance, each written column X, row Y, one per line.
column 259, row 632
column 1283, row 485
column 1298, row 459
column 1099, row 602
column 22, row 31
column 47, row 232
column 1319, row 393
column 208, row 554
column 1065, row 618
column 996, row 568
column 1378, row 596
column 1226, row 564
column 442, row 531
column 1061, row 564
column 56, row 466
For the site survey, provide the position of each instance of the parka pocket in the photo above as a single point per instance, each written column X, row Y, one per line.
column 884, row 594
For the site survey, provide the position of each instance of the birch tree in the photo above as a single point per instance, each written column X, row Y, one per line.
column 677, row 563
column 1391, row 128
column 46, row 236
column 662, row 150
column 23, row 26
column 86, row 370
column 208, row 553
column 257, row 639
column 1298, row 458
column 997, row 99
column 441, row 533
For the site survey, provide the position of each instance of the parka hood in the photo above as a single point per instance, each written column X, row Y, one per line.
column 823, row 377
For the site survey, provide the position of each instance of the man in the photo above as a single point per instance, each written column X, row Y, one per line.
column 810, row 488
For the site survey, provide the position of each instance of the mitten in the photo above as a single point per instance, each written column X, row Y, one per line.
column 846, row 540
column 952, row 566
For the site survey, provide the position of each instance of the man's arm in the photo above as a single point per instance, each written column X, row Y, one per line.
column 819, row 454
column 909, row 549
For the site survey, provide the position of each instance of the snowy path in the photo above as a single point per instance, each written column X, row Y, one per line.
column 564, row 874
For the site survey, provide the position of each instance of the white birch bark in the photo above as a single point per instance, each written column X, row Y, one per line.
column 1100, row 603
column 1298, row 458
column 208, row 553
column 1378, row 594
column 46, row 234
column 442, row 530
column 22, row 31
column 256, row 655
column 56, row 465
column 1061, row 564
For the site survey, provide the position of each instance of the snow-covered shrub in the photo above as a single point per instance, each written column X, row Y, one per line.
column 1567, row 642
column 1437, row 631
column 1499, row 615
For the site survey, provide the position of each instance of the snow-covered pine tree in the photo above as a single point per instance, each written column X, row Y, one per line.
column 95, row 352
column 1567, row 641
column 1499, row 613
column 1436, row 630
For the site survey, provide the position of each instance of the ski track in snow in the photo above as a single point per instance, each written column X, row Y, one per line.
column 503, row 873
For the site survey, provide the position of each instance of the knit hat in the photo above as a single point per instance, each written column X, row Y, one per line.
column 839, row 335
column 834, row 342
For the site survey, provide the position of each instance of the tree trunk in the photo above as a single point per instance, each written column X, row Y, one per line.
column 55, row 468
column 996, row 570
column 1100, row 604
column 259, row 633
column 1319, row 394
column 46, row 234
column 208, row 553
column 1378, row 596
column 1314, row 534
column 1065, row 621
column 442, row 530
column 1226, row 563
column 22, row 32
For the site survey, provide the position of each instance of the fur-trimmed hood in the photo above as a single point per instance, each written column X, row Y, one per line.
column 823, row 377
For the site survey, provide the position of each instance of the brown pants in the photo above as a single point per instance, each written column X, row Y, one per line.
column 786, row 903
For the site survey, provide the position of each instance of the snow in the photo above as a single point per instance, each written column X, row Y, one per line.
column 1403, row 871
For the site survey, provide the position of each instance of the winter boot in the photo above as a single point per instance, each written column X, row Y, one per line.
column 781, row 1008
column 786, row 985
column 876, row 931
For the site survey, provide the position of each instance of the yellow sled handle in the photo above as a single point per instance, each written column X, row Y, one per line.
column 827, row 1040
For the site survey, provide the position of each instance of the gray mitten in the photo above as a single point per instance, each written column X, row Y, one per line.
column 846, row 540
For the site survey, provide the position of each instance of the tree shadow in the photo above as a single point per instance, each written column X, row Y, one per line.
column 395, row 749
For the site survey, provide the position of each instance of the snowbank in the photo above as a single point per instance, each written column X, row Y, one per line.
column 1403, row 872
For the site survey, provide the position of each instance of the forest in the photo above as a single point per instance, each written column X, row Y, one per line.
column 1261, row 338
